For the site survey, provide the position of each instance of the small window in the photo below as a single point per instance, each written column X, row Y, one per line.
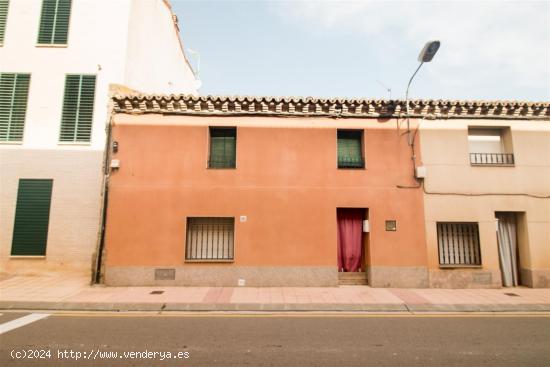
column 350, row 149
column 458, row 243
column 14, row 93
column 54, row 22
column 222, row 147
column 32, row 216
column 209, row 239
column 490, row 146
column 78, row 108
column 4, row 5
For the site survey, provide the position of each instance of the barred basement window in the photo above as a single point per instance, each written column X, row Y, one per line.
column 14, row 93
column 78, row 108
column 54, row 22
column 350, row 149
column 4, row 5
column 209, row 239
column 458, row 243
column 223, row 145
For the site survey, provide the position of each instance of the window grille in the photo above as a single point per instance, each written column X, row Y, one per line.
column 209, row 239
column 458, row 243
column 350, row 151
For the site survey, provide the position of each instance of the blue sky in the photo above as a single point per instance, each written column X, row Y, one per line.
column 489, row 50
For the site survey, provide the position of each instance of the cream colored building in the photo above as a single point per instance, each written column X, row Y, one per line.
column 493, row 164
column 58, row 59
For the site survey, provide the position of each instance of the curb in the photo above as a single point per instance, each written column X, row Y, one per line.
column 259, row 307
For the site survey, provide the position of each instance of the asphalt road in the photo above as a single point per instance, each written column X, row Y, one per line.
column 276, row 340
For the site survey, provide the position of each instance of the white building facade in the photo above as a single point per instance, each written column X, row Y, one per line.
column 58, row 59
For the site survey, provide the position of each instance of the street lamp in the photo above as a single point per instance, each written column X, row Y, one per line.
column 426, row 55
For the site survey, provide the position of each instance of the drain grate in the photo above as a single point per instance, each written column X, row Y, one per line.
column 512, row 294
column 157, row 292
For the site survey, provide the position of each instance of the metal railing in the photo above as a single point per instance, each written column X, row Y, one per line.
column 458, row 243
column 350, row 162
column 221, row 163
column 492, row 158
column 209, row 239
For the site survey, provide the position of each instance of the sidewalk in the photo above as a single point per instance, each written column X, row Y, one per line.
column 64, row 293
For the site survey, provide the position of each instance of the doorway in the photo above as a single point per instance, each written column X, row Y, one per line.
column 508, row 249
column 351, row 254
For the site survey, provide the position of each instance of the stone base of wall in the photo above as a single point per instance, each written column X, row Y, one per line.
column 44, row 266
column 222, row 276
column 397, row 276
column 465, row 278
column 535, row 278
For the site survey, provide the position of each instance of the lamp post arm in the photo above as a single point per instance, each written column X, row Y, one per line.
column 407, row 102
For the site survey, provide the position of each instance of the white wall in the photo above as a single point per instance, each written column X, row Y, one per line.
column 154, row 49
column 96, row 45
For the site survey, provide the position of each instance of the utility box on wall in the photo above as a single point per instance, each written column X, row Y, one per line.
column 366, row 226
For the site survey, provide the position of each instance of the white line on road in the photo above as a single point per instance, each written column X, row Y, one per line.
column 22, row 321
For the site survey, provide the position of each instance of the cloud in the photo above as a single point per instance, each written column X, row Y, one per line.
column 483, row 43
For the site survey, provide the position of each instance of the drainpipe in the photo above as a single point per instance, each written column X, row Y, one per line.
column 96, row 277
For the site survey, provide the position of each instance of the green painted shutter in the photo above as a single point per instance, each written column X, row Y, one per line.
column 222, row 147
column 32, row 216
column 78, row 108
column 54, row 22
column 14, row 93
column 349, row 149
column 4, row 4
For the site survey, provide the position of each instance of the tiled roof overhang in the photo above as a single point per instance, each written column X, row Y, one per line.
column 319, row 107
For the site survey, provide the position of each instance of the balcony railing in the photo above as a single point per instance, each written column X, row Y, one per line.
column 221, row 163
column 350, row 162
column 497, row 159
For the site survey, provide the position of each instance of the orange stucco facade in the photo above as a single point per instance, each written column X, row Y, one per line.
column 283, row 193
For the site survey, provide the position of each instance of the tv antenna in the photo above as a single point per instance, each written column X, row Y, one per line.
column 388, row 89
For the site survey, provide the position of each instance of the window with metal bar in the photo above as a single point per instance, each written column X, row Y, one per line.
column 350, row 149
column 209, row 238
column 223, row 145
column 14, row 93
column 458, row 243
column 54, row 22
column 78, row 108
column 490, row 146
column 4, row 5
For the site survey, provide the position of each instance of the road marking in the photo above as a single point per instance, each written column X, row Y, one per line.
column 22, row 321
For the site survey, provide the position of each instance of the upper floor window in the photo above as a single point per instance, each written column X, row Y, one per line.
column 223, row 145
column 54, row 22
column 350, row 149
column 4, row 5
column 78, row 108
column 490, row 146
column 14, row 93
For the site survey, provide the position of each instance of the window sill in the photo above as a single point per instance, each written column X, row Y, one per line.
column 50, row 45
column 491, row 165
column 11, row 142
column 28, row 257
column 68, row 143
column 221, row 168
column 461, row 266
column 210, row 261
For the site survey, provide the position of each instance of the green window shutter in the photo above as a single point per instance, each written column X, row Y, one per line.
column 14, row 93
column 32, row 216
column 78, row 108
column 222, row 147
column 54, row 22
column 4, row 4
column 350, row 149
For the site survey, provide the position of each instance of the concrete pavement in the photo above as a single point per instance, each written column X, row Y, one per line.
column 59, row 292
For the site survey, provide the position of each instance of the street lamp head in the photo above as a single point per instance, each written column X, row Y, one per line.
column 429, row 51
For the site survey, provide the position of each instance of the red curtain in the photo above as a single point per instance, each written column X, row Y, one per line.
column 350, row 233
